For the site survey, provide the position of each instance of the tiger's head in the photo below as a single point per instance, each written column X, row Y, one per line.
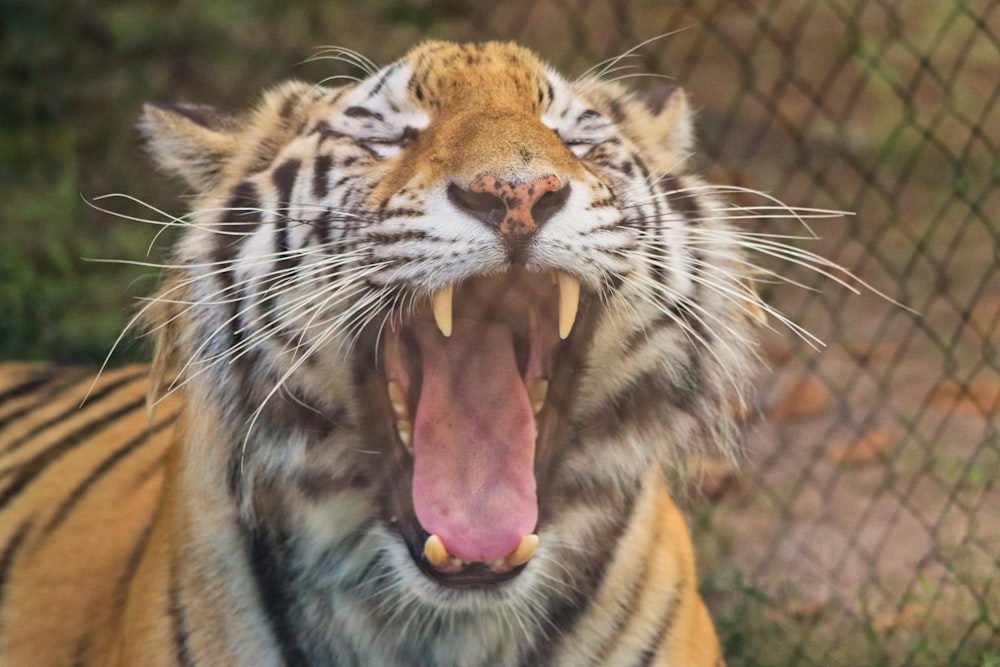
column 427, row 316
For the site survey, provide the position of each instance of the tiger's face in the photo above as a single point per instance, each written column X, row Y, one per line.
column 448, row 316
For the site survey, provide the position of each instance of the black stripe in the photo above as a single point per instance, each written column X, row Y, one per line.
column 321, row 228
column 25, row 386
column 627, row 608
column 26, row 472
column 676, row 315
column 288, row 106
column 76, row 495
column 242, row 215
column 103, row 392
column 567, row 610
column 243, row 223
column 44, row 397
column 690, row 208
column 82, row 649
column 124, row 582
column 323, row 129
column 320, row 185
column 666, row 624
column 9, row 553
column 178, row 625
column 381, row 82
column 273, row 588
column 361, row 112
column 684, row 201
column 155, row 468
column 659, row 271
column 283, row 177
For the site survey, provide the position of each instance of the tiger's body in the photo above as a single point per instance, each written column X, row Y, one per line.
column 416, row 325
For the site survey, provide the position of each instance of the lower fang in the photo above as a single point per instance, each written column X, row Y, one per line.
column 521, row 554
column 438, row 556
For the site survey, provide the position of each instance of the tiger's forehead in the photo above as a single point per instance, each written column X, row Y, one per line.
column 495, row 73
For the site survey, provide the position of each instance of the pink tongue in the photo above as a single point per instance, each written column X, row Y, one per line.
column 473, row 441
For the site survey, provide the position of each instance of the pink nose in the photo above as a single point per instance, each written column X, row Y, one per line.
column 514, row 209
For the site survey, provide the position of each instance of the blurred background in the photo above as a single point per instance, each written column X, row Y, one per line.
column 863, row 528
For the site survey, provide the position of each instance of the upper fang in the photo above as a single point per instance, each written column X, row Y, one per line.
column 569, row 302
column 442, row 309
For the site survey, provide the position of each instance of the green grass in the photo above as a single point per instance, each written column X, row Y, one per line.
column 73, row 79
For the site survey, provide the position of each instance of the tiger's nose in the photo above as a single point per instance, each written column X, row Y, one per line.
column 516, row 210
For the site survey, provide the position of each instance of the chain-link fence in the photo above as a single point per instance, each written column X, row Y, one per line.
column 864, row 526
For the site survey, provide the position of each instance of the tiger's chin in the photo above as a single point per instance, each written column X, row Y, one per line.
column 474, row 388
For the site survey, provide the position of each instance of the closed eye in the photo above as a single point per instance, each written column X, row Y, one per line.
column 386, row 147
column 574, row 141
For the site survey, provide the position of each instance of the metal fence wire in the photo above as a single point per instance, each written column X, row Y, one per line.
column 864, row 528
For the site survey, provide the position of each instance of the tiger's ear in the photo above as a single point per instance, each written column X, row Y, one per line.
column 667, row 120
column 191, row 140
column 672, row 114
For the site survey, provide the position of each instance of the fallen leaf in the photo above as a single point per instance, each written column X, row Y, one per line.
column 980, row 397
column 869, row 449
column 907, row 616
column 716, row 479
column 804, row 609
column 801, row 610
column 806, row 398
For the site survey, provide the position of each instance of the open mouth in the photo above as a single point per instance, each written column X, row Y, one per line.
column 468, row 376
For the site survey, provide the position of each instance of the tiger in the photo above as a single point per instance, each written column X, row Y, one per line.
column 426, row 349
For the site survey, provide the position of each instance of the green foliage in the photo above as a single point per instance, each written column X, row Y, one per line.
column 73, row 76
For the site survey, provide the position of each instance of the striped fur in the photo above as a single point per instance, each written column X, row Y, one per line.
column 265, row 515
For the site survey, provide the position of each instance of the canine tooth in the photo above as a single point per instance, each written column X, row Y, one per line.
column 537, row 394
column 399, row 407
column 523, row 552
column 569, row 302
column 438, row 556
column 435, row 552
column 442, row 309
column 405, row 430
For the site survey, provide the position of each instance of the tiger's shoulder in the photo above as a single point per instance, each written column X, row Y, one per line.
column 81, row 468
